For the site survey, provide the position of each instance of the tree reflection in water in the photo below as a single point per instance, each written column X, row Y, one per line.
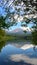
column 2, row 44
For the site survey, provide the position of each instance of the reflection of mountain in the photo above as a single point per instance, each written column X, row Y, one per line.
column 19, row 31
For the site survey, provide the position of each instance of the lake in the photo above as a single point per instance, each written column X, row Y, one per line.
column 12, row 54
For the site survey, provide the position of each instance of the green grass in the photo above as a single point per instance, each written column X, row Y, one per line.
column 11, row 38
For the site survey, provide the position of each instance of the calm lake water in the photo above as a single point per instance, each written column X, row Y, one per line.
column 8, row 51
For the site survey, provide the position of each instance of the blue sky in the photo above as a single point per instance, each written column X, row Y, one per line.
column 19, row 26
column 3, row 13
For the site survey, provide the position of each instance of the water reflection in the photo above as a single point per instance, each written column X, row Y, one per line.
column 10, row 55
column 2, row 44
column 9, row 50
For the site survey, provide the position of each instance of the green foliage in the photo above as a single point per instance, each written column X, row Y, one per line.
column 34, row 32
column 2, row 32
column 2, row 35
column 3, row 23
column 30, row 8
column 34, row 37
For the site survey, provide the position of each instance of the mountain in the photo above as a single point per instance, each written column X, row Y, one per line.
column 19, row 31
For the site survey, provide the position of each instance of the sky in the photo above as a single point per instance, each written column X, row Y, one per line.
column 3, row 13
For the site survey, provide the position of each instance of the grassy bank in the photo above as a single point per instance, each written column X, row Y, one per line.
column 11, row 38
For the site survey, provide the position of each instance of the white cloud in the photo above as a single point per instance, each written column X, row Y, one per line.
column 20, row 18
column 16, row 16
